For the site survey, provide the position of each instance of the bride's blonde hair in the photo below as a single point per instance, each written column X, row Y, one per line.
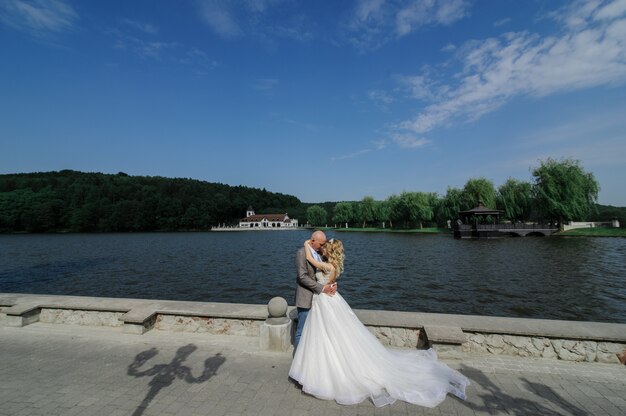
column 333, row 251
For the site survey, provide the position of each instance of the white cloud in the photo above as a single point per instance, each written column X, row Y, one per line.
column 590, row 52
column 153, row 49
column 265, row 84
column 220, row 18
column 254, row 18
column 381, row 98
column 40, row 18
column 417, row 14
column 351, row 155
column 421, row 87
column 502, row 22
column 196, row 59
column 148, row 47
column 376, row 22
column 368, row 10
column 449, row 48
column 380, row 144
column 140, row 26
column 376, row 145
column 611, row 11
column 409, row 141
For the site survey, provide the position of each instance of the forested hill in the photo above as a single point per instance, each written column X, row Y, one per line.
column 76, row 201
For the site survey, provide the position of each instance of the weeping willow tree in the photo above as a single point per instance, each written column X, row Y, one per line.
column 316, row 215
column 449, row 206
column 343, row 213
column 515, row 198
column 564, row 191
column 479, row 190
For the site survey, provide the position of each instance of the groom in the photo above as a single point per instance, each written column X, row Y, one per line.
column 306, row 283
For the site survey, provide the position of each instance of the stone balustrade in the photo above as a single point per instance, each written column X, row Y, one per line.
column 448, row 334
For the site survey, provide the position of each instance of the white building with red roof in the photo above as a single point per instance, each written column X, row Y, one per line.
column 266, row 221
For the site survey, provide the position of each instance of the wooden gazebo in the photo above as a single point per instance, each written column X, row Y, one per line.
column 473, row 222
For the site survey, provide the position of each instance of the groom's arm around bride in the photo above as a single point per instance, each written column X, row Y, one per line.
column 306, row 285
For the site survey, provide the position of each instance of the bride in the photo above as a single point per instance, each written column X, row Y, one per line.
column 339, row 359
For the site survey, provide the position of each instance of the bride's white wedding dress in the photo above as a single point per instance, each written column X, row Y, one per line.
column 339, row 359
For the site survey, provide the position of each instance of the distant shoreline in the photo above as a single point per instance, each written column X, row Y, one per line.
column 580, row 232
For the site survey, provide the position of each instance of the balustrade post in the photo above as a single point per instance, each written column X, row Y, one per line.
column 276, row 330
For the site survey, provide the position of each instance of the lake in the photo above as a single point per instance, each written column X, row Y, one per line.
column 554, row 278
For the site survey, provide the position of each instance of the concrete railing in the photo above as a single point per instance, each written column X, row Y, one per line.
column 591, row 224
column 272, row 324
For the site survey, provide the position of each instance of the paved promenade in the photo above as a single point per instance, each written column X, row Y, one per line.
column 52, row 369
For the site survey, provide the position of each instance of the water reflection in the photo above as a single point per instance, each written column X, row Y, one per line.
column 557, row 278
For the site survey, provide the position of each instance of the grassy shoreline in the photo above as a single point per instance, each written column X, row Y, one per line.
column 425, row 230
column 593, row 232
column 578, row 232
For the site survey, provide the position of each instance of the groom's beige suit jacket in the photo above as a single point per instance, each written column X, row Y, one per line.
column 305, row 279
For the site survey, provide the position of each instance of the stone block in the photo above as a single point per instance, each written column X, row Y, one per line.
column 204, row 324
column 521, row 343
column 275, row 337
column 495, row 343
column 607, row 352
column 80, row 317
column 21, row 315
column 449, row 351
column 541, row 343
column 591, row 350
column 398, row 337
column 548, row 352
column 437, row 334
column 136, row 329
column 571, row 351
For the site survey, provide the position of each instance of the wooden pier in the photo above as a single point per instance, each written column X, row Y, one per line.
column 483, row 222
column 502, row 230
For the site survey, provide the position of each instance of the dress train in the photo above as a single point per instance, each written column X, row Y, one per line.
column 339, row 359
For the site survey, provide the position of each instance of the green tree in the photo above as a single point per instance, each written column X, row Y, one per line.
column 85, row 218
column 383, row 212
column 564, row 191
column 396, row 213
column 515, row 198
column 12, row 205
column 191, row 219
column 367, row 210
column 416, row 207
column 316, row 215
column 450, row 205
column 478, row 190
column 342, row 213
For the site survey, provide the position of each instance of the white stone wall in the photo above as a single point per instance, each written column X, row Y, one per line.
column 591, row 224
column 80, row 317
column 217, row 326
column 568, row 350
column 397, row 337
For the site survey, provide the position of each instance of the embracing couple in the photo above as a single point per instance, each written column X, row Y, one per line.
column 338, row 358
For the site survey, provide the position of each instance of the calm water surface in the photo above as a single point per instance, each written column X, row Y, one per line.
column 556, row 278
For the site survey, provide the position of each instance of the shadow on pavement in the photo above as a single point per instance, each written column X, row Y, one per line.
column 495, row 400
column 163, row 375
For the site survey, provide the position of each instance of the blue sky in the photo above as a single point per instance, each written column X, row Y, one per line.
column 324, row 100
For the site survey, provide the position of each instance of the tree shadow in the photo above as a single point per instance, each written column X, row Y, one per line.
column 495, row 400
column 165, row 374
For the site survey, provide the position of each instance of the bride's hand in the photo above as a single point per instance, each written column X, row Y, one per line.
column 329, row 289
